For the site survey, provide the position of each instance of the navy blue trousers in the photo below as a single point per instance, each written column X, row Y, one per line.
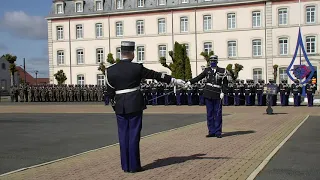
column 310, row 99
column 248, row 100
column 225, row 100
column 297, row 100
column 237, row 100
column 214, row 116
column 178, row 99
column 106, row 100
column 154, row 99
column 189, row 99
column 284, row 99
column 201, row 100
column 259, row 97
column 129, row 132
column 166, row 99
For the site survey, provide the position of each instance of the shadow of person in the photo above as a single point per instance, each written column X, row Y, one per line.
column 235, row 133
column 177, row 160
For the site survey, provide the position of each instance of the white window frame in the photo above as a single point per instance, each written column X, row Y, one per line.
column 60, row 35
column 309, row 44
column 184, row 24
column 99, row 30
column 60, row 57
column 140, row 3
column 232, row 20
column 80, row 56
column 119, row 28
column 162, row 50
column 184, row 1
column 99, row 55
column 62, row 8
column 187, row 48
column 283, row 16
column 79, row 6
column 101, row 79
column 256, row 47
column 207, row 47
column 207, row 22
column 118, row 52
column 140, row 27
column 140, row 53
column 119, row 4
column 232, row 49
column 162, row 2
column 256, row 74
column 80, row 79
column 283, row 43
column 161, row 26
column 79, row 31
column 97, row 7
column 283, row 74
column 256, row 19
column 311, row 15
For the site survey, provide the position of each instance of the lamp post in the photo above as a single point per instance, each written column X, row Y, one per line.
column 24, row 69
column 36, row 72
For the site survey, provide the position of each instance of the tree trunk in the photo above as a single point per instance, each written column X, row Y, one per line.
column 12, row 79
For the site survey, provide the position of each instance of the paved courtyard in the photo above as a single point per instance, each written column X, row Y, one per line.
column 249, row 137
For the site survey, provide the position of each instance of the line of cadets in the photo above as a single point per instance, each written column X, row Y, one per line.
column 238, row 93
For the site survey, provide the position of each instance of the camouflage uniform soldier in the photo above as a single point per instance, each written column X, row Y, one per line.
column 29, row 93
column 12, row 92
column 85, row 93
column 43, row 93
column 21, row 93
column 91, row 93
column 64, row 93
column 50, row 94
column 78, row 93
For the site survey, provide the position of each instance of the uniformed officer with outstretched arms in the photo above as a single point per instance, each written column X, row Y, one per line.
column 123, row 88
column 217, row 80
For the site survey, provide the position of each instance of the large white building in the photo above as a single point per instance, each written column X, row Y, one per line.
column 254, row 33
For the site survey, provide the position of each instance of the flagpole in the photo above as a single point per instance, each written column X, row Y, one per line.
column 300, row 29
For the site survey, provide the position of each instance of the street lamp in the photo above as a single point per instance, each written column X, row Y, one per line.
column 36, row 72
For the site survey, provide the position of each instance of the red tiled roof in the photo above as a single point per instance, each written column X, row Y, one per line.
column 30, row 79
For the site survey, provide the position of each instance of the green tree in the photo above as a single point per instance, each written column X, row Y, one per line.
column 60, row 76
column 12, row 68
column 180, row 66
column 111, row 60
column 234, row 72
column 275, row 72
column 206, row 55
column 102, row 68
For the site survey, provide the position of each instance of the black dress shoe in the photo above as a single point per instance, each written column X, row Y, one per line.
column 219, row 136
column 138, row 170
column 210, row 135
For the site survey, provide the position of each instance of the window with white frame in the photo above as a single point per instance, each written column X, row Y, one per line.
column 162, row 2
column 140, row 3
column 283, row 16
column 118, row 53
column 140, row 27
column 162, row 51
column 59, row 33
column 99, row 5
column 207, row 22
column 257, row 74
column 184, row 24
column 256, row 47
column 207, row 47
column 256, row 19
column 60, row 57
column 59, row 8
column 184, row 1
column 99, row 55
column 207, row 0
column 283, row 46
column 119, row 4
column 231, row 20
column 99, row 30
column 311, row 44
column 80, row 56
column 310, row 14
column 232, row 48
column 187, row 48
column 79, row 7
column 79, row 31
column 140, row 53
column 161, row 25
column 119, row 28
column 283, row 74
column 101, row 79
column 80, row 79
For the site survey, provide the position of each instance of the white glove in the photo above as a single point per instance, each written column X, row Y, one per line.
column 221, row 95
column 187, row 84
column 298, row 94
column 178, row 82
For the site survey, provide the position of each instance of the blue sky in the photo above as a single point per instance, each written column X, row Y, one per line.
column 23, row 32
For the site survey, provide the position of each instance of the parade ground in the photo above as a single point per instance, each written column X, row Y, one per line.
column 42, row 141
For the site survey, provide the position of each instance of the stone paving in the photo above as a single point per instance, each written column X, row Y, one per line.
column 249, row 137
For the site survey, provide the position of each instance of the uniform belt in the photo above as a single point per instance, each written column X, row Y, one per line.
column 213, row 85
column 127, row 90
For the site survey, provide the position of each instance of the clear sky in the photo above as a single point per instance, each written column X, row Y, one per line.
column 23, row 32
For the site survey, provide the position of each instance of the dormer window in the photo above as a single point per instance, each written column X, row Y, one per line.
column 59, row 8
column 79, row 6
column 119, row 4
column 141, row 3
column 99, row 5
column 162, row 2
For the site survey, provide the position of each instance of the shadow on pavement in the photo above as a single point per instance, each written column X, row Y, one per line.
column 177, row 160
column 235, row 133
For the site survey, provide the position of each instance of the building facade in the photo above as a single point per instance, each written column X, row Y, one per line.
column 5, row 77
column 254, row 33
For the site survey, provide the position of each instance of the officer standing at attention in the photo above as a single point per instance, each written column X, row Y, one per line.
column 123, row 88
column 217, row 80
